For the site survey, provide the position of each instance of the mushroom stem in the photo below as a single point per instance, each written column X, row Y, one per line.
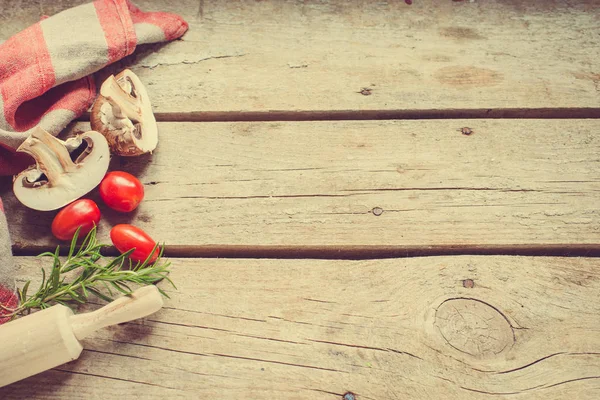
column 126, row 103
column 50, row 154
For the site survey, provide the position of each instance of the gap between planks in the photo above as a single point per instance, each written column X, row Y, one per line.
column 361, row 115
column 351, row 252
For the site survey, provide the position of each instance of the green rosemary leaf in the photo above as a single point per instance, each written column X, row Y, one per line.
column 95, row 256
column 117, row 262
column 119, row 288
column 57, row 254
column 107, row 287
column 171, row 282
column 83, row 289
column 73, row 244
column 163, row 292
column 54, row 276
column 100, row 294
column 43, row 280
column 70, row 267
column 64, row 303
column 125, row 286
column 23, row 292
column 78, row 297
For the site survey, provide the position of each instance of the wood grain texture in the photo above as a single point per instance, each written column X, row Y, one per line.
column 252, row 59
column 437, row 327
column 375, row 183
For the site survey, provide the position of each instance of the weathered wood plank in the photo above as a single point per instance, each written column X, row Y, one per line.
column 377, row 183
column 438, row 327
column 247, row 57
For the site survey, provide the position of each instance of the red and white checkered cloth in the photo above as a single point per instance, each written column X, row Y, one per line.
column 45, row 70
column 8, row 298
column 46, row 79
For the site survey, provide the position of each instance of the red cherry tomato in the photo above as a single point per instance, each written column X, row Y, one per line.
column 83, row 214
column 121, row 191
column 126, row 237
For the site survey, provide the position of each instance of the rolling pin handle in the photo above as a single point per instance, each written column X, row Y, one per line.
column 141, row 303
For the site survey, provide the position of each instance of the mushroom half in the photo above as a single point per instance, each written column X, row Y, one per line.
column 123, row 114
column 64, row 170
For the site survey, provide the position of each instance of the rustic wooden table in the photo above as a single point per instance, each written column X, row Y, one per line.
column 332, row 227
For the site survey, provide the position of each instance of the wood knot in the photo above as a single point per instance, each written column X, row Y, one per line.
column 474, row 327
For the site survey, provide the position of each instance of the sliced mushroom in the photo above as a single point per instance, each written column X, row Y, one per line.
column 57, row 179
column 123, row 114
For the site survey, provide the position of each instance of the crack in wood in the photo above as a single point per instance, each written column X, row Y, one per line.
column 319, row 301
column 543, row 359
column 196, row 61
column 271, row 339
column 192, row 353
column 366, row 347
column 189, row 325
column 215, row 314
column 305, row 323
column 116, row 354
column 277, row 362
column 116, row 379
column 533, row 388
column 585, row 378
column 325, row 391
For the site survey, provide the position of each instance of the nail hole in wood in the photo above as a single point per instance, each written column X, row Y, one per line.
column 466, row 131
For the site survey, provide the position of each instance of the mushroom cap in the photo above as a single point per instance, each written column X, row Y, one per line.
column 40, row 188
column 123, row 114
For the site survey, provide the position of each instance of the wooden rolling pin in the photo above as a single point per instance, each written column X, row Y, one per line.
column 51, row 337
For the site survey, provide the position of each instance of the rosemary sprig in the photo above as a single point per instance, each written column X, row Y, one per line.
column 93, row 272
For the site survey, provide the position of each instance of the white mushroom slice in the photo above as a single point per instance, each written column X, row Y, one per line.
column 123, row 114
column 57, row 179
